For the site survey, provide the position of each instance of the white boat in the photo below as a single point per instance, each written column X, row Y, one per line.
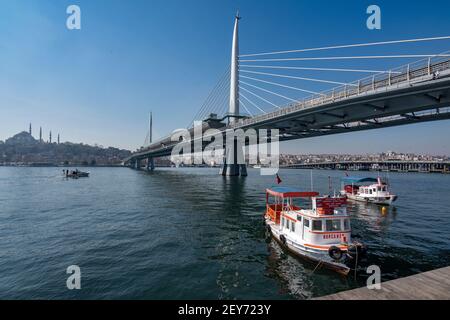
column 317, row 230
column 369, row 190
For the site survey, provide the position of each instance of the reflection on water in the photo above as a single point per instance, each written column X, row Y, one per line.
column 378, row 218
column 192, row 234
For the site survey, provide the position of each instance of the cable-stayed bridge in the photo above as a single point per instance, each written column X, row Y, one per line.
column 415, row 92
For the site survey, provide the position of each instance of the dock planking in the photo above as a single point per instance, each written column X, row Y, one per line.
column 431, row 285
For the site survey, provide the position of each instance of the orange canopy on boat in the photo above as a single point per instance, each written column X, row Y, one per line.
column 287, row 192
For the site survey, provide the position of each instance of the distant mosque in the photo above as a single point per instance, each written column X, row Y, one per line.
column 30, row 131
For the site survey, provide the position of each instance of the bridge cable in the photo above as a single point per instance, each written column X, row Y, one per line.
column 279, row 85
column 216, row 104
column 221, row 98
column 147, row 139
column 254, row 94
column 298, row 78
column 351, row 57
column 252, row 103
column 320, row 69
column 217, row 97
column 210, row 97
column 204, row 106
column 223, row 105
column 245, row 107
column 268, row 91
column 347, row 46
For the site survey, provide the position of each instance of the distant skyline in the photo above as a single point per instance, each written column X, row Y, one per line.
column 284, row 149
column 97, row 85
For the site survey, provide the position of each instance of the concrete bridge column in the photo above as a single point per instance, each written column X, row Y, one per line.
column 231, row 166
column 137, row 164
column 150, row 164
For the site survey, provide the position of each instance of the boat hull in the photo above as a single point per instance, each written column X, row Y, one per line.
column 315, row 256
column 375, row 200
column 78, row 175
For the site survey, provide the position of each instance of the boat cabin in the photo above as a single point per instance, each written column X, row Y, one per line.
column 307, row 218
column 364, row 186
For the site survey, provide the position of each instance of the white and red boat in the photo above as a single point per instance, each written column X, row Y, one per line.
column 313, row 227
column 369, row 190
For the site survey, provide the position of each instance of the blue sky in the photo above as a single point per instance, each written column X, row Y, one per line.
column 97, row 84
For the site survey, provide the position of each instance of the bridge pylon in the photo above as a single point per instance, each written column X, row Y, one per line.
column 137, row 164
column 150, row 160
column 150, row 164
column 230, row 166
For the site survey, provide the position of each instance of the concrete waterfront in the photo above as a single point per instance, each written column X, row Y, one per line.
column 431, row 285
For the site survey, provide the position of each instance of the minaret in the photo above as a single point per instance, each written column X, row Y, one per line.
column 50, row 137
column 40, row 134
column 29, row 130
column 234, row 81
column 58, row 138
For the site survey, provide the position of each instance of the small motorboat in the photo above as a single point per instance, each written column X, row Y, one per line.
column 76, row 174
column 369, row 190
column 316, row 228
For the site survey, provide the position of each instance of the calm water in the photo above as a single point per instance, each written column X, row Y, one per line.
column 192, row 234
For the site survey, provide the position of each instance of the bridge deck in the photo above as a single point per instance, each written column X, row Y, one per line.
column 432, row 285
column 418, row 93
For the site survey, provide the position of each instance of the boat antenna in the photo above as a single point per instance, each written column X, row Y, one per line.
column 330, row 187
column 387, row 180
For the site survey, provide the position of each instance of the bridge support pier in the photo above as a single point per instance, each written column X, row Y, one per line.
column 137, row 165
column 150, row 164
column 231, row 166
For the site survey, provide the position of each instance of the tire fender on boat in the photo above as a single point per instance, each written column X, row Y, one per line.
column 335, row 253
column 357, row 250
column 283, row 239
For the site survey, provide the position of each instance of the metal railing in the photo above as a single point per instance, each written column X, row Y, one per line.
column 384, row 81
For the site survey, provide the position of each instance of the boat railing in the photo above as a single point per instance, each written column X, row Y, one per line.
column 290, row 208
column 272, row 210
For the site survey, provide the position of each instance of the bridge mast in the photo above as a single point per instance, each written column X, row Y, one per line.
column 231, row 167
column 150, row 160
column 150, row 125
column 234, row 81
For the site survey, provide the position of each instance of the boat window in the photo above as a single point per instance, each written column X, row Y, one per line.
column 306, row 222
column 370, row 191
column 379, row 188
column 384, row 188
column 292, row 226
column 333, row 225
column 299, row 218
column 317, row 225
column 287, row 224
column 282, row 221
column 346, row 224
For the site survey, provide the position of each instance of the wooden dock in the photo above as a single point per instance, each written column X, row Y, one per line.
column 432, row 285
